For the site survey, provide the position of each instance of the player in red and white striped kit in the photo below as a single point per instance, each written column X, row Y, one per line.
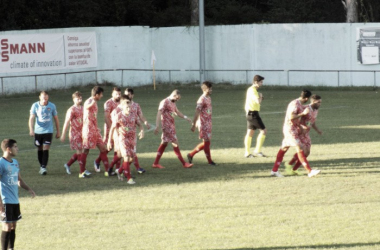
column 202, row 120
column 167, row 111
column 291, row 130
column 74, row 118
column 109, row 106
column 306, row 123
column 90, row 132
column 125, row 123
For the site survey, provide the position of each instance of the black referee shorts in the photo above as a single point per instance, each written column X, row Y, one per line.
column 254, row 121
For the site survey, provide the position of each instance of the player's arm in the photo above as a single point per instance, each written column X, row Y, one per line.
column 23, row 185
column 107, row 121
column 142, row 118
column 65, row 125
column 182, row 115
column 57, row 126
column 141, row 127
column 31, row 124
column 112, row 129
column 2, row 209
column 158, row 119
column 196, row 115
column 256, row 99
column 107, row 118
column 296, row 116
column 88, row 105
column 314, row 126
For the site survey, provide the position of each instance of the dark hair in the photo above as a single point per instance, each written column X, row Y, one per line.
column 315, row 97
column 44, row 92
column 258, row 78
column 124, row 96
column 129, row 90
column 7, row 143
column 97, row 90
column 77, row 94
column 175, row 92
column 206, row 84
column 116, row 89
column 305, row 94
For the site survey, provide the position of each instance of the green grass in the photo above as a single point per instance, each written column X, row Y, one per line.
column 235, row 205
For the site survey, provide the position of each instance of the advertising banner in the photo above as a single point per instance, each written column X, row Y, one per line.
column 41, row 52
column 368, row 45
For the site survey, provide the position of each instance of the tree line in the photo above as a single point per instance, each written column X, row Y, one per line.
column 42, row 14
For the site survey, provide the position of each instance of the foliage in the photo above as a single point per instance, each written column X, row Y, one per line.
column 42, row 14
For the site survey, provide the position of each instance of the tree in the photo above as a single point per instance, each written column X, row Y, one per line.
column 194, row 6
column 351, row 10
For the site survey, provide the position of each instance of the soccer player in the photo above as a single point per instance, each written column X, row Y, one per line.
column 10, row 180
column 109, row 106
column 307, row 122
column 115, row 138
column 291, row 130
column 74, row 118
column 125, row 122
column 167, row 111
column 135, row 110
column 90, row 132
column 202, row 120
column 42, row 132
column 252, row 108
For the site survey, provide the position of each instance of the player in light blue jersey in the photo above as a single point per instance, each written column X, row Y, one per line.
column 10, row 180
column 42, row 130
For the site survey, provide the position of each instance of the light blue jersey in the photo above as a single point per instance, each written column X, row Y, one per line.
column 44, row 117
column 9, row 181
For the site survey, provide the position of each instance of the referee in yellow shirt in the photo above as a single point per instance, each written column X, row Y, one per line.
column 252, row 108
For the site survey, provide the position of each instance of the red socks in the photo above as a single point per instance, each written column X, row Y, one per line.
column 127, row 170
column 303, row 160
column 104, row 158
column 202, row 146
column 160, row 152
column 116, row 160
column 207, row 151
column 294, row 159
column 82, row 162
column 298, row 164
column 73, row 158
column 279, row 158
column 98, row 159
column 136, row 162
column 198, row 148
column 178, row 154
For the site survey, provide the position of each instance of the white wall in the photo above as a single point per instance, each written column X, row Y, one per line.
column 286, row 54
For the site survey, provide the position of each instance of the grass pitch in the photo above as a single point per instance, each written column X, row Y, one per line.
column 234, row 205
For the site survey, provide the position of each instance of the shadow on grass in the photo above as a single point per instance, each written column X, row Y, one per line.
column 325, row 246
column 57, row 182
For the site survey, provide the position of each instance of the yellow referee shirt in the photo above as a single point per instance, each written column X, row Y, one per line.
column 252, row 101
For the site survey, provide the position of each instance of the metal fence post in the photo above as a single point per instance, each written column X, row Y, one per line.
column 374, row 79
column 287, row 77
column 122, row 78
column 338, row 79
column 35, row 83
